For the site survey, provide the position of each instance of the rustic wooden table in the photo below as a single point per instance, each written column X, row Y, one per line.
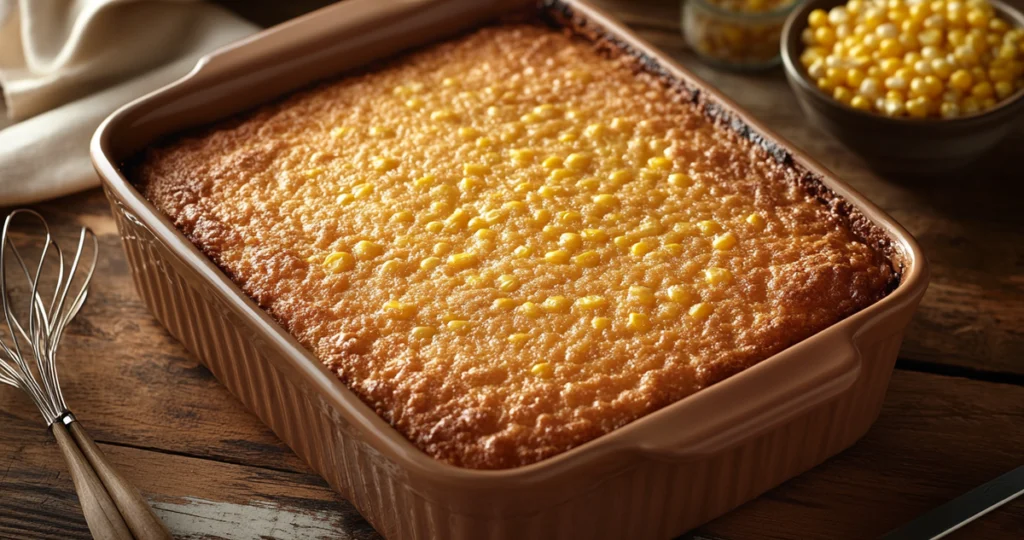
column 953, row 419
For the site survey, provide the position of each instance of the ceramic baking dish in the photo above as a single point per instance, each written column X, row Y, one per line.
column 654, row 478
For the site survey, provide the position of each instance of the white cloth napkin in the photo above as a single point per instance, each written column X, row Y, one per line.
column 67, row 64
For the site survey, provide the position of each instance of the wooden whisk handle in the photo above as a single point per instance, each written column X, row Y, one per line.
column 101, row 514
column 137, row 514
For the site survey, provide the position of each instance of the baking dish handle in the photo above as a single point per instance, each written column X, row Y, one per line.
column 801, row 378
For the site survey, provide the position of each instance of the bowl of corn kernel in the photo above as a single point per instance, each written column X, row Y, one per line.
column 915, row 86
column 736, row 34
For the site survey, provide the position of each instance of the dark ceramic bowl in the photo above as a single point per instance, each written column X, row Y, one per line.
column 900, row 145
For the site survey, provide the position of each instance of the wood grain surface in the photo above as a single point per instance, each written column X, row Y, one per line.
column 953, row 418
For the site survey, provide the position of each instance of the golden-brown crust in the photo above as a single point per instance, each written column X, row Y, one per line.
column 268, row 195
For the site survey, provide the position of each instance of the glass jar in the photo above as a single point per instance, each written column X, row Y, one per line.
column 736, row 34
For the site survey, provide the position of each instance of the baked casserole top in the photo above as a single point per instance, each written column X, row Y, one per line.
column 515, row 241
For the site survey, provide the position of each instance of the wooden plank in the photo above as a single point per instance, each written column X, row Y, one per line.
column 933, row 441
column 197, row 498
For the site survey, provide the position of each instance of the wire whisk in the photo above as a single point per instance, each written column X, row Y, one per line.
column 30, row 336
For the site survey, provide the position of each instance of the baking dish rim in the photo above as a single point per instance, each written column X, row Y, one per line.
column 603, row 449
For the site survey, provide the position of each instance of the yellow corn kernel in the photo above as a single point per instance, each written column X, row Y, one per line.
column 600, row 323
column 724, row 241
column 414, row 103
column 469, row 184
column 475, row 169
column 458, row 326
column 442, row 248
column 542, row 370
column 679, row 180
column 547, row 192
column 314, row 172
column 345, row 198
column 638, row 322
column 484, row 142
column 493, row 216
column 531, row 310
column 679, row 294
column 461, row 261
column 425, row 181
column 399, row 310
column 467, row 132
column 391, row 267
column 557, row 175
column 522, row 252
column 556, row 304
column 384, row 164
column 365, row 249
column 557, row 256
column 508, row 282
column 577, row 161
column 622, row 241
column 485, row 234
column 403, row 216
column 659, row 163
column 570, row 241
column 458, row 219
column 641, row 248
column 340, row 261
column 523, row 155
column 434, row 227
column 569, row 216
column 708, row 227
column 339, row 132
column 587, row 259
column 589, row 303
column 756, row 220
column 715, row 276
column 503, row 303
column 430, row 263
column 605, row 202
column 700, row 310
column 514, row 206
column 552, row 162
column 640, row 295
column 362, row 191
column 594, row 235
column 476, row 223
column 621, row 176
column 449, row 82
column 518, row 339
column 673, row 249
column 423, row 333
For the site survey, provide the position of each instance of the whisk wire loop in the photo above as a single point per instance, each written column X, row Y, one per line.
column 46, row 320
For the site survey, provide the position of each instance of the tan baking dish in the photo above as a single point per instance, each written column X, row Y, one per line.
column 655, row 478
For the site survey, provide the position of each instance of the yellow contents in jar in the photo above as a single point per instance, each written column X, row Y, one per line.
column 916, row 59
column 737, row 32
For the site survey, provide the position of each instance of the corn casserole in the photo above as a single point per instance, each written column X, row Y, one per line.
column 514, row 241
